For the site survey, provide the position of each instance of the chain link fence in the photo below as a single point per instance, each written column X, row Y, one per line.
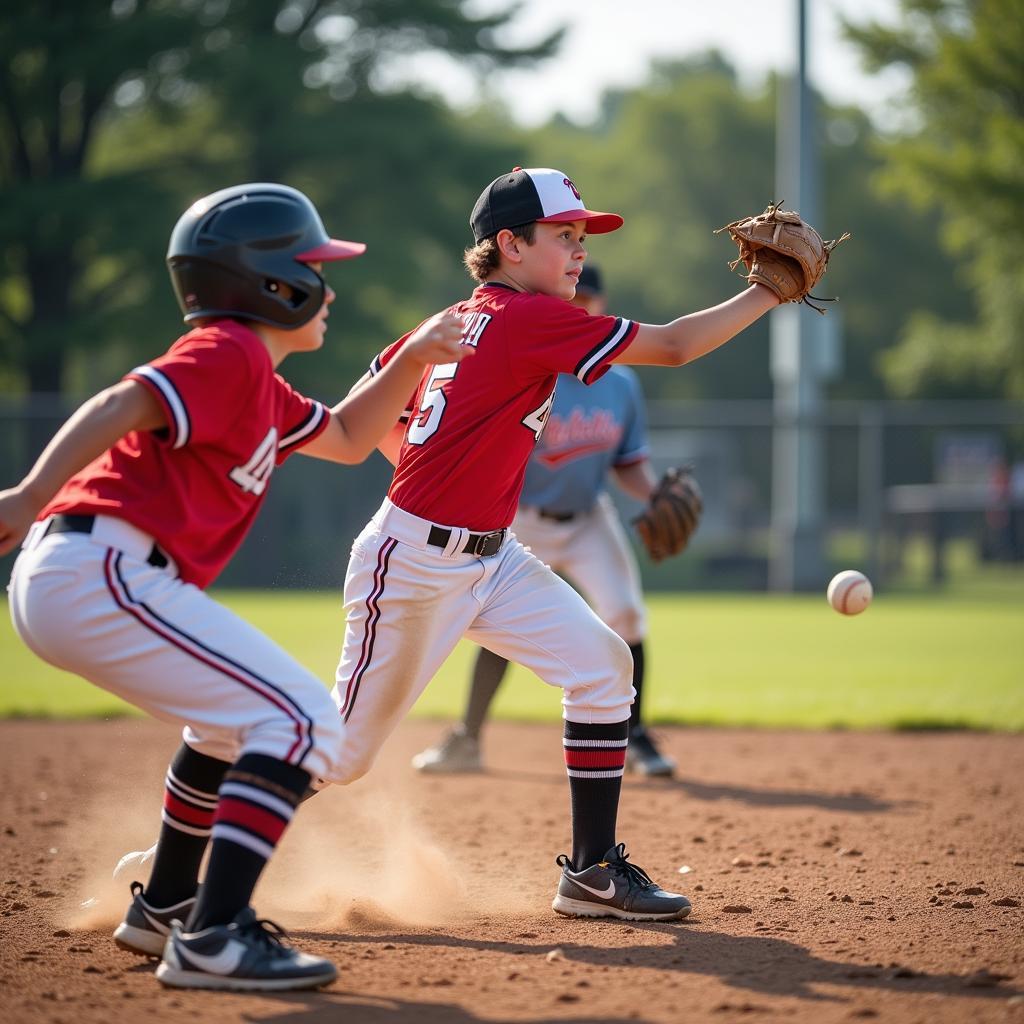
column 895, row 474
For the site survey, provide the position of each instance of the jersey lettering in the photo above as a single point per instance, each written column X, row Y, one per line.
column 538, row 419
column 475, row 323
column 432, row 405
column 254, row 476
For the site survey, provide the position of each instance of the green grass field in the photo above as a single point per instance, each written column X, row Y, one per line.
column 910, row 661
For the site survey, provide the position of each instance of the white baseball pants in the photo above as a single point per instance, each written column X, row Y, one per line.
column 593, row 551
column 408, row 604
column 92, row 605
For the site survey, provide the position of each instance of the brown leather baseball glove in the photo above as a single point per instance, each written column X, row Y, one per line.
column 672, row 515
column 782, row 252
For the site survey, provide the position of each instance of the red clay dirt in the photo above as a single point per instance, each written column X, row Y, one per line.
column 834, row 876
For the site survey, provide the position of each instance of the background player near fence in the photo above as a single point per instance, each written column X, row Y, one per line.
column 436, row 562
column 567, row 519
column 139, row 501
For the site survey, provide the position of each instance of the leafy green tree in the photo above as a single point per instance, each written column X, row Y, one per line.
column 961, row 157
column 690, row 150
column 113, row 113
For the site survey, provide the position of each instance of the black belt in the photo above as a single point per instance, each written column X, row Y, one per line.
column 477, row 543
column 558, row 517
column 84, row 524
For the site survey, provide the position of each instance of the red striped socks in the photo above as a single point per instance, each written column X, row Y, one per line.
column 256, row 802
column 190, row 799
column 595, row 756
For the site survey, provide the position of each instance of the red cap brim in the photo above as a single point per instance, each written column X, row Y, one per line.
column 597, row 223
column 332, row 249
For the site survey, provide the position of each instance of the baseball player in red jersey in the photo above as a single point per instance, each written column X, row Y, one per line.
column 137, row 504
column 437, row 563
column 567, row 519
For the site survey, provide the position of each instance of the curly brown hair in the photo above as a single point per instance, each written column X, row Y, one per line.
column 484, row 258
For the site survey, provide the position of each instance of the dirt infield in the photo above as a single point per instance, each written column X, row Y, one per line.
column 835, row 877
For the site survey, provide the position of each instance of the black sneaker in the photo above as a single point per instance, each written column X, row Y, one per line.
column 145, row 928
column 246, row 955
column 643, row 756
column 457, row 752
column 615, row 888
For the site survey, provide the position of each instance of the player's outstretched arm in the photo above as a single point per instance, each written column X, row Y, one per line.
column 360, row 421
column 697, row 334
column 92, row 429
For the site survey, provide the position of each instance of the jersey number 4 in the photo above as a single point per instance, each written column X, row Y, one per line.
column 538, row 419
column 254, row 476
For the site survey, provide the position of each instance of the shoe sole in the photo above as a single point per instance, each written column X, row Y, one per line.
column 173, row 978
column 583, row 908
column 140, row 941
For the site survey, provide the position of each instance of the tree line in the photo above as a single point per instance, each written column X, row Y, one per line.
column 115, row 114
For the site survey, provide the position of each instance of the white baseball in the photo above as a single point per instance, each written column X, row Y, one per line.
column 850, row 592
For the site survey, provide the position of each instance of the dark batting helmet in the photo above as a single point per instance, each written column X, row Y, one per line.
column 231, row 251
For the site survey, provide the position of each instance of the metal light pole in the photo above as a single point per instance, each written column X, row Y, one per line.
column 797, row 351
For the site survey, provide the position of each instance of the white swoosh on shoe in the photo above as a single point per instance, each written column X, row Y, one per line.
column 605, row 894
column 224, row 962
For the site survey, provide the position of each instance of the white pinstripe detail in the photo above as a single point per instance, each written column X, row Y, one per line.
column 578, row 773
column 606, row 744
column 191, row 830
column 599, row 355
column 215, row 659
column 173, row 399
column 242, row 838
column 254, row 795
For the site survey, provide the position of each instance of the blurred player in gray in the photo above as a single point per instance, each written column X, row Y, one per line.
column 568, row 520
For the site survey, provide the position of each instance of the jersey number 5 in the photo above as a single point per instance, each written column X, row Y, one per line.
column 432, row 405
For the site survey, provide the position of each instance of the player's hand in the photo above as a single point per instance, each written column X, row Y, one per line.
column 438, row 340
column 17, row 513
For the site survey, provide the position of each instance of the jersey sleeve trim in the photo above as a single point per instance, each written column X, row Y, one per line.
column 617, row 338
column 302, row 434
column 633, row 458
column 178, row 420
column 376, row 366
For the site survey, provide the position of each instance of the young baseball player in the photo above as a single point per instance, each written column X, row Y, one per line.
column 437, row 562
column 567, row 520
column 137, row 504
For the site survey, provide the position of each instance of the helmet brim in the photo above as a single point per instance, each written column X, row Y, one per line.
column 332, row 249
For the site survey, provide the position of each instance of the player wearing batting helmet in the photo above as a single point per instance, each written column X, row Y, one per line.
column 137, row 505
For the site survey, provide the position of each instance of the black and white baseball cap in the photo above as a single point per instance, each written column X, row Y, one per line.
column 528, row 194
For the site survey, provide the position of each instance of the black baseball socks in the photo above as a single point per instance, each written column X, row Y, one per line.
column 190, row 799
column 257, row 799
column 594, row 759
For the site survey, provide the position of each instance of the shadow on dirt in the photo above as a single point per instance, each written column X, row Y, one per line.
column 332, row 1008
column 755, row 963
column 851, row 803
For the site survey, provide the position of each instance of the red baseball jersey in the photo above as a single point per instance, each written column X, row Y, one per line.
column 197, row 486
column 472, row 425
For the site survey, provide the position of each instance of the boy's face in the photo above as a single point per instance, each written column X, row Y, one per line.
column 310, row 336
column 553, row 263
